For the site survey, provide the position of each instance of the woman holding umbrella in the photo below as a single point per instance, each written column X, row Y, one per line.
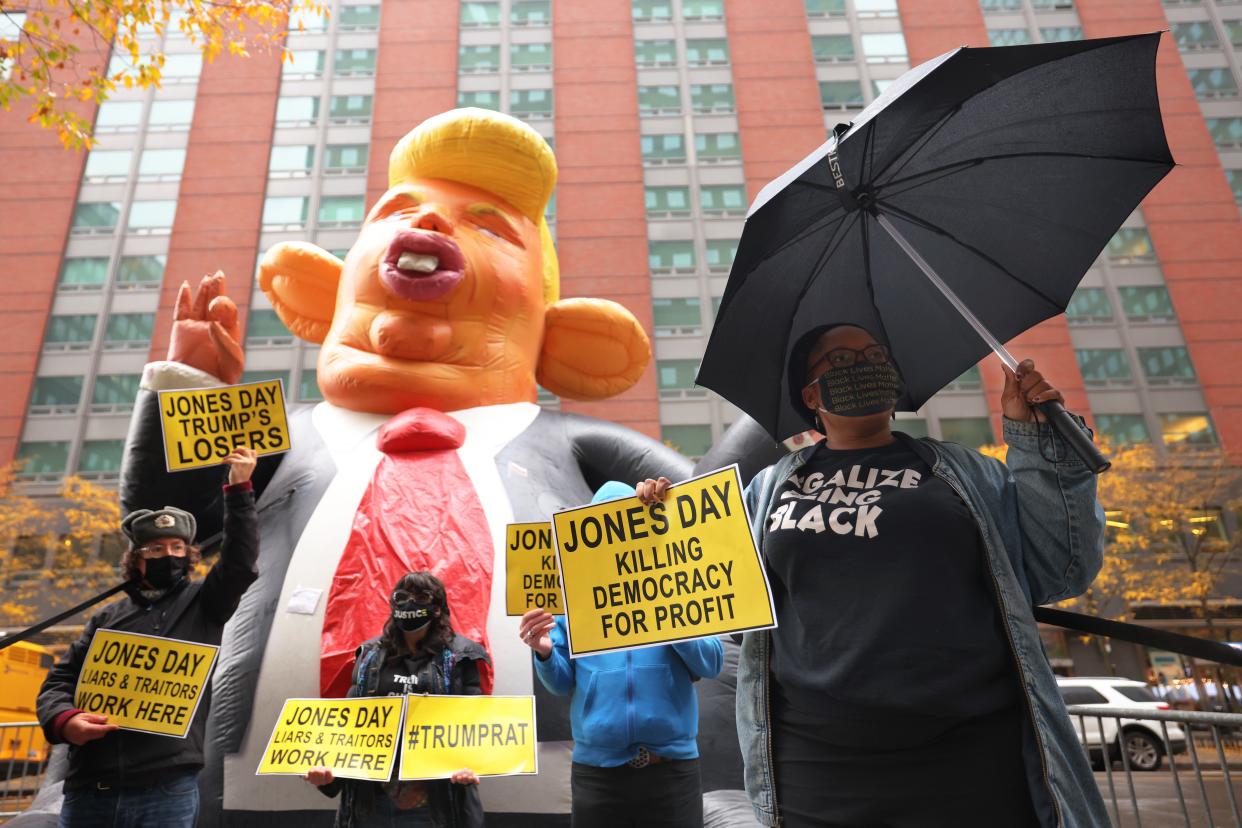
column 906, row 684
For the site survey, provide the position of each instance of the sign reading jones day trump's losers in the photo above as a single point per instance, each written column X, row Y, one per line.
column 681, row 569
column 202, row 426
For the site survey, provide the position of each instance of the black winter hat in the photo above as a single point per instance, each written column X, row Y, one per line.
column 145, row 525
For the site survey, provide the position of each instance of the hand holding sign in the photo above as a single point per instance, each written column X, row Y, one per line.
column 534, row 630
column 87, row 727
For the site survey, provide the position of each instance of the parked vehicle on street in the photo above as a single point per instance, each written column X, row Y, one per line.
column 1141, row 738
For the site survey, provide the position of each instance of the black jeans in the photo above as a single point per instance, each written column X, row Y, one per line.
column 667, row 795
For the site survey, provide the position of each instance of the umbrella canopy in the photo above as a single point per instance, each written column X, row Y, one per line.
column 1008, row 169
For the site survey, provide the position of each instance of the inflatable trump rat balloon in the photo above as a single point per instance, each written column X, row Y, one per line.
column 435, row 331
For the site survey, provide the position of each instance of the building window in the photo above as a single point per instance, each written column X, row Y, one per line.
column 114, row 392
column 825, row 8
column 171, row 115
column 97, row 217
column 43, row 458
column 887, row 47
column 691, row 440
column 1000, row 5
column 297, row 111
column 1149, row 303
column 667, row 201
column 1008, row 37
column 1052, row 5
column 530, row 13
column 482, row 98
column 342, row 211
column 349, row 109
column 1059, row 34
column 55, row 395
column 832, row 48
column 1130, row 245
column 265, row 328
column 105, row 165
column 720, row 253
column 723, row 200
column 135, row 272
column 358, row 18
column 663, row 149
column 702, row 9
column 290, row 160
column 267, row 376
column 670, row 256
column 676, row 317
column 308, row 387
column 659, row 100
column 655, row 53
column 307, row 20
column 83, row 274
column 161, row 164
column 1122, row 428
column 1210, row 84
column 648, row 10
column 473, row 60
column 356, row 63
column 129, row 330
column 1233, row 28
column 1234, row 179
column 69, row 332
column 151, row 216
column 1226, row 132
column 968, row 431
column 1088, row 305
column 480, row 15
column 1191, row 429
column 1104, row 366
column 711, row 97
column 676, row 375
column 842, row 94
column 183, row 66
column 717, row 146
column 531, row 103
column 970, row 380
column 914, row 426
column 284, row 211
column 876, row 8
column 345, row 158
column 1169, row 364
column 713, row 51
column 115, row 116
column 304, row 63
column 101, row 457
column 1195, row 35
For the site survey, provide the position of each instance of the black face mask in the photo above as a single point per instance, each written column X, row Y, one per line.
column 165, row 572
column 859, row 389
column 412, row 616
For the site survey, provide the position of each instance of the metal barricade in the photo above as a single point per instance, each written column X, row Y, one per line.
column 1123, row 734
column 23, row 758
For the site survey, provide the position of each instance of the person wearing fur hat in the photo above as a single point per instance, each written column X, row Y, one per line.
column 118, row 777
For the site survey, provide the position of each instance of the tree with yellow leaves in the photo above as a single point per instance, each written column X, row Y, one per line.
column 57, row 54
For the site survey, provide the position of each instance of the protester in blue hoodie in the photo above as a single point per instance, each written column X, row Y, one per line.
column 635, row 720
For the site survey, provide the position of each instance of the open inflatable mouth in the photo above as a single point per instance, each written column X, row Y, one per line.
column 421, row 266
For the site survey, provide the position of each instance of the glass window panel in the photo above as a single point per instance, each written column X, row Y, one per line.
column 354, row 62
column 101, row 456
column 129, row 327
column 1000, row 5
column 720, row 253
column 172, row 113
column 663, row 148
column 876, row 8
column 707, row 51
column 151, row 214
column 1008, row 37
column 659, row 99
column 308, row 388
column 1130, row 244
column 676, row 313
column 183, row 65
column 80, row 273
column 350, row 106
column 478, row 58
column 96, row 214
column 291, row 158
column 668, row 200
column 1089, row 305
column 530, row 12
column 1122, row 428
column 1187, row 429
column 652, row 9
column 115, row 389
column 299, row 109
column 263, row 376
column 305, row 62
column 1233, row 29
column 346, row 156
column 530, row 101
column 1226, row 132
column 1147, row 302
column 1052, row 5
column 358, row 17
column 842, row 94
column 717, row 145
column 666, row 255
column 1234, row 178
column 655, row 52
column 161, row 162
column 1103, row 365
column 1058, row 34
column 711, row 97
column 75, row 327
column 676, row 374
column 1197, row 34
column 691, row 440
column 1213, row 83
column 58, row 392
column 1172, row 362
column 308, row 20
column 108, row 163
column 730, row 197
column 141, row 269
column 886, row 47
column 968, row 431
column 43, row 457
column 702, row 9
column 480, row 14
column 832, row 48
column 265, row 324
column 346, row 209
column 117, row 114
column 825, row 8
column 483, row 98
column 914, row 426
column 285, row 210
column 970, row 380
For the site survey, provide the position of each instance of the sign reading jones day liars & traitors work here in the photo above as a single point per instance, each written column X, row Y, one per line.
column 202, row 426
column 684, row 568
column 532, row 580
column 144, row 682
column 354, row 738
column 490, row 735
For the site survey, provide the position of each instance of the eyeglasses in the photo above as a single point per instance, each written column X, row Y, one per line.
column 177, row 550
column 845, row 357
column 403, row 597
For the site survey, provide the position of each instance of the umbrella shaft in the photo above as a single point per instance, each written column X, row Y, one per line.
column 993, row 343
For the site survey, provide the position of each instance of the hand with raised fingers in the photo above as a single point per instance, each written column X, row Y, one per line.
column 205, row 330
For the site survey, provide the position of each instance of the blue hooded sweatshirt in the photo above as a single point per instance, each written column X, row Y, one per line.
column 636, row 698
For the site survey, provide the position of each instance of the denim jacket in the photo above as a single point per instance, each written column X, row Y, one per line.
column 1043, row 531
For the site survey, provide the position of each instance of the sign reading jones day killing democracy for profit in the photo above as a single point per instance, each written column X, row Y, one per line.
column 681, row 569
column 144, row 682
column 532, row 580
column 202, row 426
column 355, row 738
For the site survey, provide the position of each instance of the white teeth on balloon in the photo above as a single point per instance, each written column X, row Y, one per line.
column 414, row 261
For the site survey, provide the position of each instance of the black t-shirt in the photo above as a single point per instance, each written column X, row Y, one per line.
column 889, row 627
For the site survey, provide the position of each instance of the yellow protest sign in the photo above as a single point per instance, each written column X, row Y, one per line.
column 681, row 569
column 144, row 682
column 355, row 738
column 490, row 735
column 532, row 580
column 203, row 425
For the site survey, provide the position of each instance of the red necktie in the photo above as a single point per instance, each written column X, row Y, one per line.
column 419, row 512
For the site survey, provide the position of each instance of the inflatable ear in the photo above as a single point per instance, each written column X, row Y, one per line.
column 300, row 281
column 592, row 349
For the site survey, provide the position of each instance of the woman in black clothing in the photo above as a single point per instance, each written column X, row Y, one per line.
column 419, row 653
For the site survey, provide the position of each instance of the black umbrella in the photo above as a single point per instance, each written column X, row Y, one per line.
column 960, row 209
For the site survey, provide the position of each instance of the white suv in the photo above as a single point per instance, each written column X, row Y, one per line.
column 1144, row 743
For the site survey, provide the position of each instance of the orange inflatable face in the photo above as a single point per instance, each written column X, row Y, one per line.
column 440, row 304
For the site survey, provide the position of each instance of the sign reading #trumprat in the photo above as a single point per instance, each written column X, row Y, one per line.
column 202, row 426
column 685, row 568
column 144, row 682
column 532, row 580
column 354, row 738
column 490, row 735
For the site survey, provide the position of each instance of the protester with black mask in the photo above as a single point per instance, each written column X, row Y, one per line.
column 418, row 653
column 120, row 777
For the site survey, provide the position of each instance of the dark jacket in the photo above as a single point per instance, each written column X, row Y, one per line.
column 453, row 673
column 192, row 611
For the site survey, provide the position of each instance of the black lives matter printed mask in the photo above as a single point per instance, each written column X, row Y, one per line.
column 412, row 616
column 859, row 389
